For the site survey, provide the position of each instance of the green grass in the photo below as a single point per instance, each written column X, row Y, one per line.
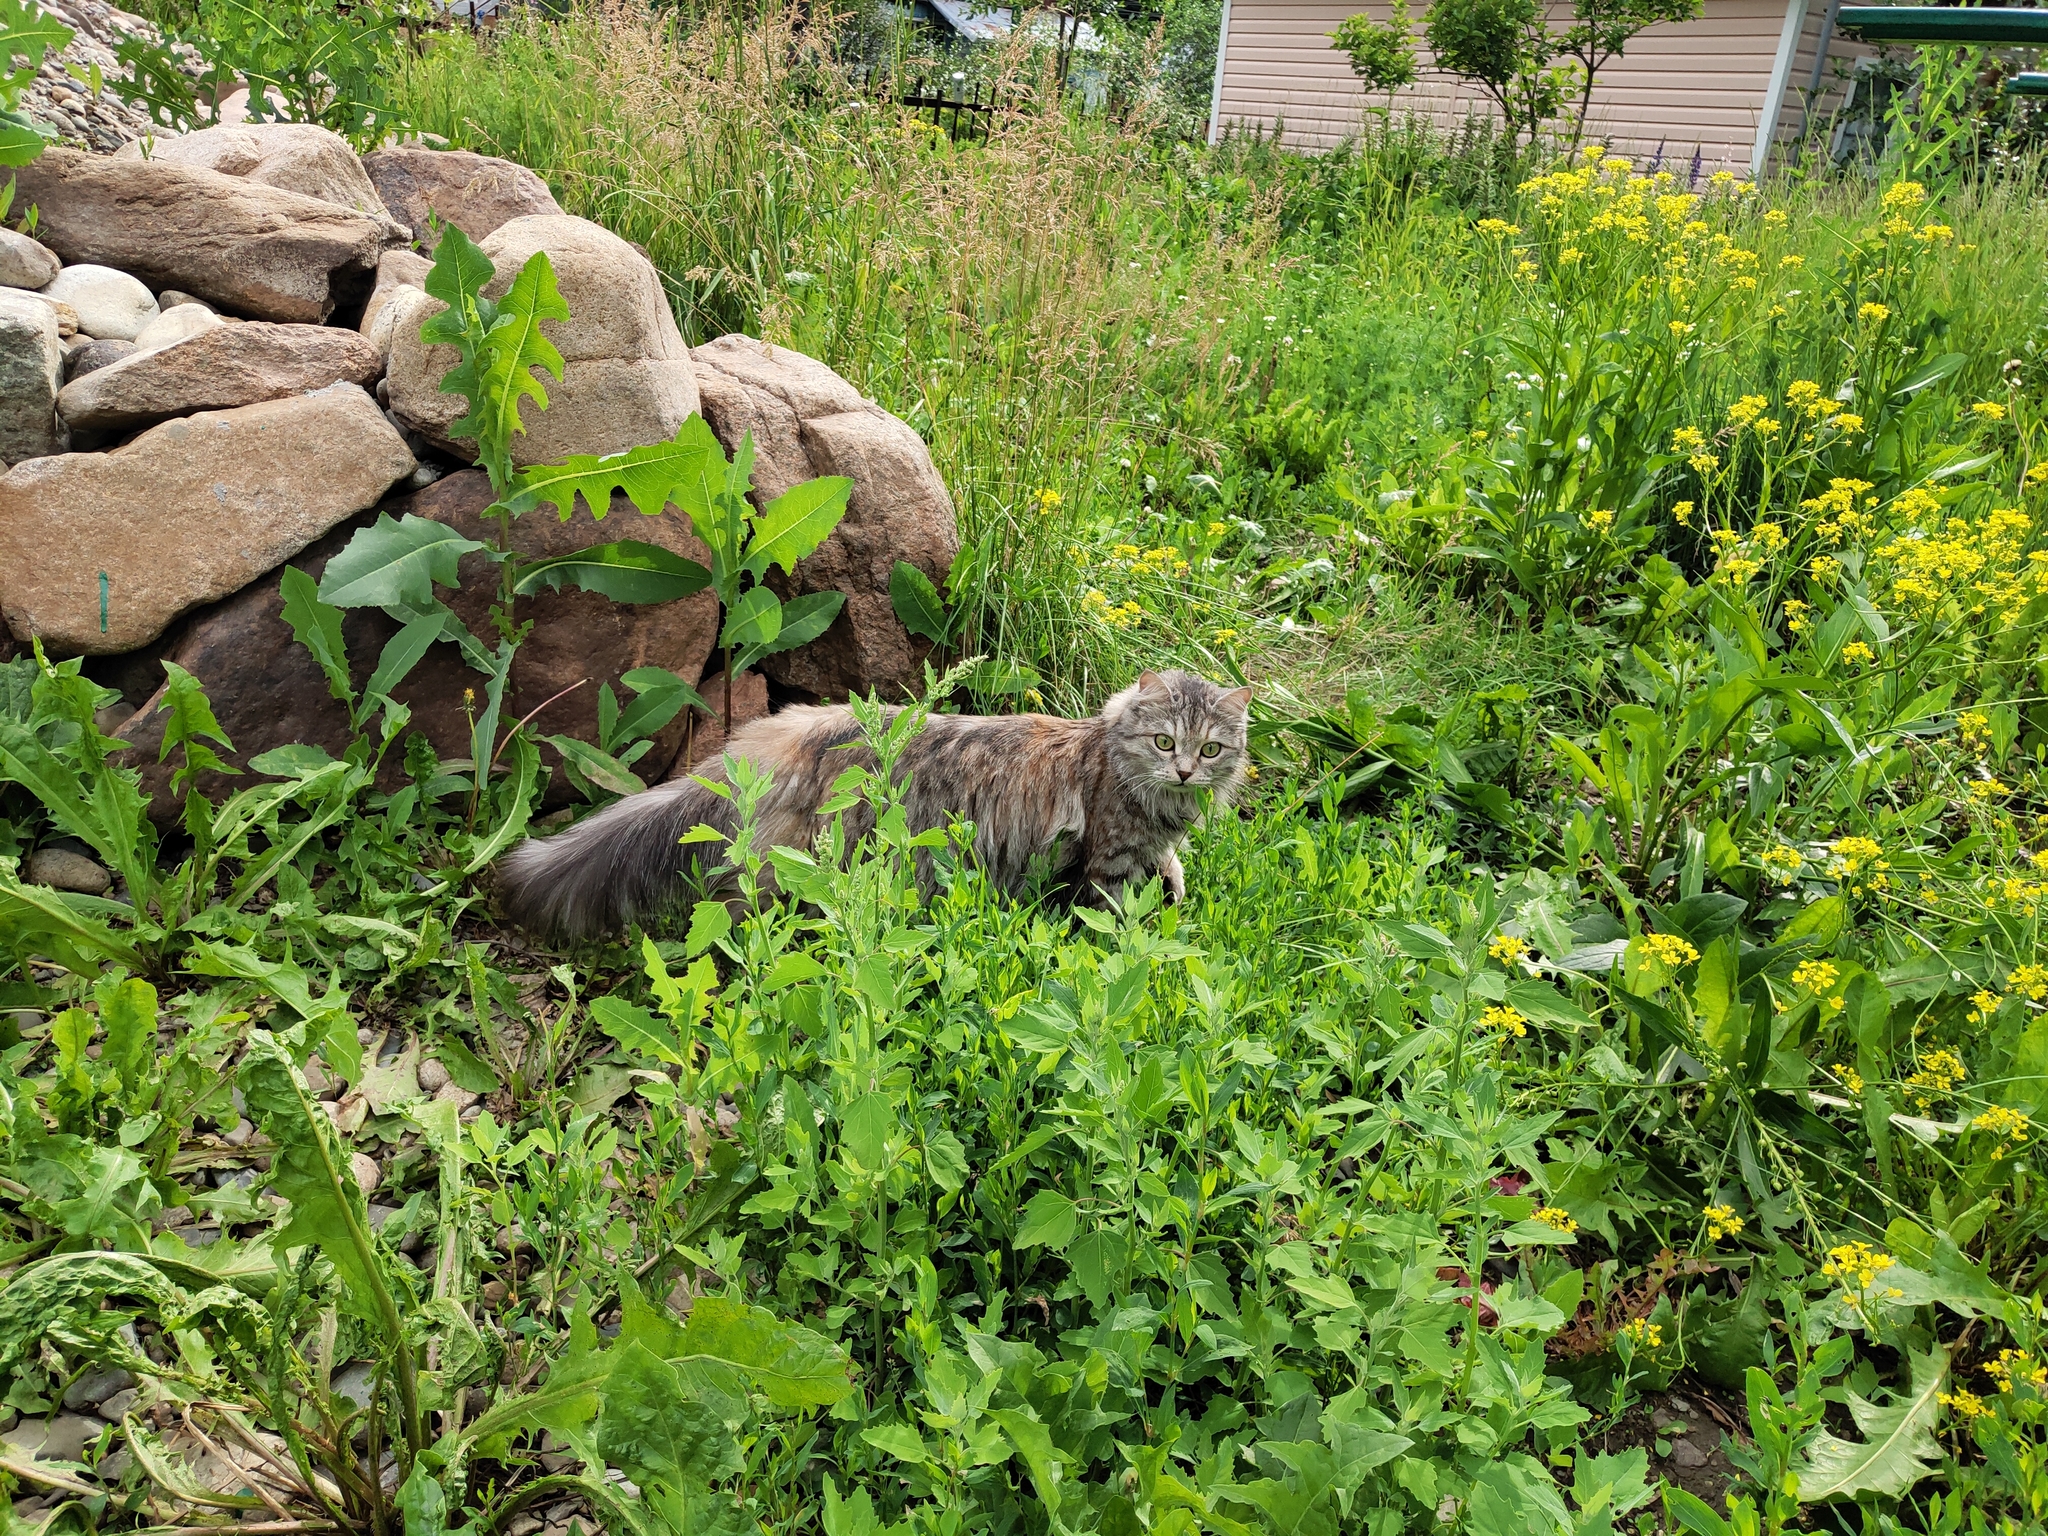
column 1637, row 911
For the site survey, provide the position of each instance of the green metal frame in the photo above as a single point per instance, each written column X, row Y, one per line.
column 2027, row 85
column 1945, row 24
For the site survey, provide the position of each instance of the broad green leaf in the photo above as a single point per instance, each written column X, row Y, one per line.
column 900, row 1441
column 650, row 475
column 918, row 605
column 317, row 626
column 600, row 768
column 1049, row 1221
column 37, row 920
column 395, row 561
column 128, row 1015
column 653, row 1427
column 628, row 571
column 1034, row 1444
column 404, row 651
column 795, row 523
column 803, row 620
column 1898, row 1446
column 565, row 1403
column 637, row 1030
column 788, row 1364
column 311, row 1169
column 518, row 799
column 755, row 620
column 468, row 1071
column 660, row 696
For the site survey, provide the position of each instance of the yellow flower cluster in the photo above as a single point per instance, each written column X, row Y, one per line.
column 1681, row 513
column 1782, row 863
column 1857, row 654
column 1850, row 1078
column 1669, row 949
column 1856, row 1266
column 1963, row 1403
column 1506, row 948
column 1989, row 410
column 1721, row 1222
column 1500, row 229
column 2015, row 893
column 2030, row 981
column 1814, row 975
column 1974, row 728
column 1096, row 605
column 1691, row 442
column 1852, row 853
column 1557, row 1220
column 1837, row 507
column 1643, row 1334
column 1047, row 501
column 1165, row 560
column 1597, row 521
column 2016, row 1365
column 1504, row 1019
column 1981, row 566
column 2008, row 1125
column 1874, row 312
column 1940, row 1072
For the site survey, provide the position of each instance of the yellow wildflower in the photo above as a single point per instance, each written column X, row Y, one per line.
column 2016, row 1365
column 1782, row 863
column 1851, row 1079
column 1857, row 654
column 1049, row 501
column 1681, row 513
column 1963, row 1403
column 1507, row 949
column 1598, row 521
column 1940, row 1072
column 1505, row 1019
column 1643, row 1334
column 1814, row 975
column 1669, row 949
column 1875, row 313
column 2030, row 981
column 1989, row 410
column 1556, row 1220
column 1721, row 1222
column 1859, row 1263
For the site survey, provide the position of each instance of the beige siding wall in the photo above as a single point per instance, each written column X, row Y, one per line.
column 1699, row 87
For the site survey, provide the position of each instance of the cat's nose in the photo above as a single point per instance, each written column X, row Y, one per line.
column 1185, row 773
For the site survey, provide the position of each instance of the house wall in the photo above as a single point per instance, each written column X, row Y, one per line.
column 1701, row 86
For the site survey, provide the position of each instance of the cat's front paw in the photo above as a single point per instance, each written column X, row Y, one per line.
column 1175, row 880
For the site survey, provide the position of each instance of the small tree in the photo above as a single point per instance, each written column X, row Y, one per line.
column 1382, row 52
column 1503, row 46
column 1602, row 29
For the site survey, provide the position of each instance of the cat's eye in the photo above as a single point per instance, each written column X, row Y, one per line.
column 1163, row 743
column 1211, row 748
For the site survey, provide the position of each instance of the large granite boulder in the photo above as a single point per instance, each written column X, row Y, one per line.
column 626, row 377
column 218, row 368
column 398, row 272
column 808, row 421
column 99, row 552
column 267, row 691
column 297, row 157
column 244, row 247
column 31, row 373
column 475, row 193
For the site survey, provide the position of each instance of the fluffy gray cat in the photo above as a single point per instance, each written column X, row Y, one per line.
column 1103, row 802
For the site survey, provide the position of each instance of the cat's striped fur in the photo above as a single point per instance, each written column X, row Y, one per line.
column 1102, row 803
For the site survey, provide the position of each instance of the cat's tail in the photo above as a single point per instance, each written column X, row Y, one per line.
column 622, row 864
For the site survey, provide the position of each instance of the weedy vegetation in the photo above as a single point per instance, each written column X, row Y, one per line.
column 1616, row 1015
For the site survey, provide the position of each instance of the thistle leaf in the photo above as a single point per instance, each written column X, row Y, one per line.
column 652, row 475
column 1898, row 1446
column 395, row 562
column 797, row 522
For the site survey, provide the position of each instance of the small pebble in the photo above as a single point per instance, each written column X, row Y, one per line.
column 433, row 1076
column 494, row 1293
column 115, row 1408
column 63, row 870
column 239, row 1136
column 368, row 1174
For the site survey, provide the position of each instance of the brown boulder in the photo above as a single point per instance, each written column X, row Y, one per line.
column 248, row 248
column 103, row 550
column 808, row 421
column 475, row 193
column 297, row 157
column 221, row 367
column 267, row 690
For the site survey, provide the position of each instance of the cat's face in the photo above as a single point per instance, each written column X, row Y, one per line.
column 1176, row 733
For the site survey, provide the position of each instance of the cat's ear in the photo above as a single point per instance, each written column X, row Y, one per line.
column 1150, row 682
column 1238, row 698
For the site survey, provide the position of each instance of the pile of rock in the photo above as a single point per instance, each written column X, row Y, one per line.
column 210, row 367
